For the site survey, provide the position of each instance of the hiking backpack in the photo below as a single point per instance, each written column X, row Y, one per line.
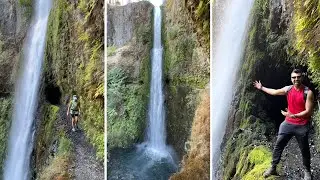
column 74, row 105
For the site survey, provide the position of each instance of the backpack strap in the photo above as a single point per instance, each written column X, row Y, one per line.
column 289, row 88
column 305, row 92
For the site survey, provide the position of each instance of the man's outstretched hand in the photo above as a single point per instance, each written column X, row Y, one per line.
column 257, row 84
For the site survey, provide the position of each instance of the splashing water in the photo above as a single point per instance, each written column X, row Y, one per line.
column 20, row 142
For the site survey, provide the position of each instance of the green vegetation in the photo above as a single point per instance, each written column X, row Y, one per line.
column 127, row 108
column 181, row 54
column 5, row 122
column 259, row 160
column 128, row 96
column 246, row 154
column 201, row 16
column 111, row 50
column 306, row 22
column 58, row 167
column 74, row 61
column 46, row 135
column 27, row 4
column 316, row 123
column 186, row 65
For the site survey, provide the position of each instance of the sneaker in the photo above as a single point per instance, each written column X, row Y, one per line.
column 271, row 171
column 307, row 175
column 73, row 130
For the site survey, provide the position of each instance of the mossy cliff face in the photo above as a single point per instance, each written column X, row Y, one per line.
column 6, row 106
column 14, row 23
column 196, row 163
column 186, row 70
column 52, row 149
column 74, row 61
column 130, row 34
column 274, row 46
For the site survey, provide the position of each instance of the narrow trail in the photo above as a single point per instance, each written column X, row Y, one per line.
column 84, row 165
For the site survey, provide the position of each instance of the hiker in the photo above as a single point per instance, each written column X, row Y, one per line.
column 74, row 109
column 300, row 106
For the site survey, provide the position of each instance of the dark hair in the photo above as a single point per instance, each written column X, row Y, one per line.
column 298, row 71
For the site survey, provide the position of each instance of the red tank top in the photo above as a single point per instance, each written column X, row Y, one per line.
column 296, row 104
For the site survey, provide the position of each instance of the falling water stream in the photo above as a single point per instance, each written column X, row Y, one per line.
column 227, row 53
column 156, row 136
column 153, row 159
column 20, row 144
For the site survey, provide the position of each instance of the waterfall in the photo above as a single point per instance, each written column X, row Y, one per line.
column 156, row 134
column 227, row 53
column 20, row 144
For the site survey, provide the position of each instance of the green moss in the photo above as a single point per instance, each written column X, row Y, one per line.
column 200, row 13
column 316, row 120
column 27, row 4
column 111, row 50
column 241, row 152
column 306, row 18
column 91, row 67
column 50, row 118
column 58, row 166
column 127, row 107
column 65, row 145
column 260, row 159
column 93, row 123
column 74, row 61
column 127, row 97
column 193, row 81
column 46, row 134
column 5, row 122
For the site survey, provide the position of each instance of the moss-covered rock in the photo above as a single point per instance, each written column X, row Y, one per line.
column 186, row 68
column 5, row 123
column 306, row 27
column 59, row 165
column 46, row 135
column 259, row 160
column 196, row 162
column 129, row 57
column 74, row 61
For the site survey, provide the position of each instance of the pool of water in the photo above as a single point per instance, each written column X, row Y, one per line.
column 140, row 163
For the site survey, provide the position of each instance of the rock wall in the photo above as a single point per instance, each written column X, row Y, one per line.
column 186, row 64
column 14, row 22
column 130, row 36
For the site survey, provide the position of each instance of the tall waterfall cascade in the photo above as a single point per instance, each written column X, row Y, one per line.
column 227, row 53
column 20, row 144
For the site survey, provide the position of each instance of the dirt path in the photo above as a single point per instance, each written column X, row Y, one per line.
column 85, row 166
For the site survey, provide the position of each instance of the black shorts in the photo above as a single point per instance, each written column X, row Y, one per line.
column 74, row 115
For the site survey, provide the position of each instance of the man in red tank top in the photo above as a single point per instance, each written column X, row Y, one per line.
column 300, row 106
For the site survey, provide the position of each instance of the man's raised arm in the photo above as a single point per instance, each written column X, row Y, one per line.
column 282, row 91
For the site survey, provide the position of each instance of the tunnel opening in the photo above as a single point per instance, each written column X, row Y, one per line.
column 52, row 93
